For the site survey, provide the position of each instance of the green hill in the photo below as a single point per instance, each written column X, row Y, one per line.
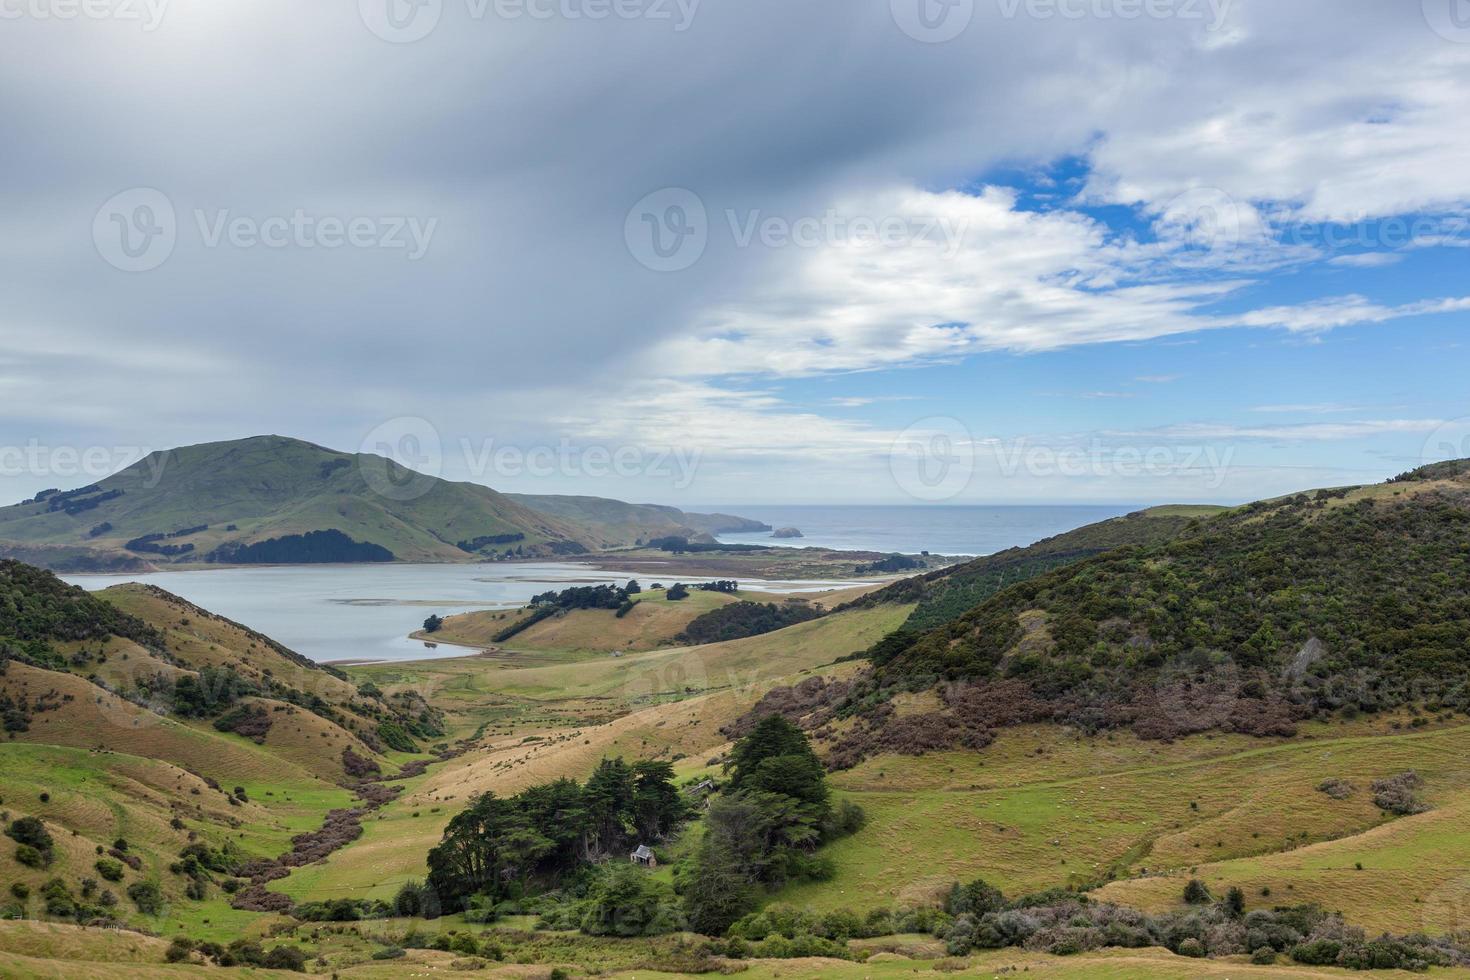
column 1334, row 601
column 947, row 593
column 271, row 499
column 140, row 729
column 636, row 523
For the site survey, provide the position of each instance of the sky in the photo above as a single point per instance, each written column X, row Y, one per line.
column 682, row 251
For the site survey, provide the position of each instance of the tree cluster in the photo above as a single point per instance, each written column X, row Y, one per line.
column 740, row 619
column 498, row 847
column 763, row 830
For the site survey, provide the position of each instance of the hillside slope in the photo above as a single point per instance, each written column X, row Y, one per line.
column 635, row 523
column 947, row 593
column 1348, row 600
column 142, row 650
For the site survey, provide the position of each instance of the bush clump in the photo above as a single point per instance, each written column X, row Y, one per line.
column 1395, row 794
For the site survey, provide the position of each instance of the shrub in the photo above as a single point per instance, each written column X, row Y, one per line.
column 58, row 898
column 1192, row 947
column 1318, row 952
column 1235, row 902
column 395, row 737
column 147, row 897
column 30, row 830
column 29, row 856
column 388, row 953
column 978, row 898
column 416, row 899
column 1395, row 794
column 1196, row 893
column 1264, row 956
column 847, row 818
column 109, row 869
column 179, row 950
column 285, row 958
column 20, row 890
column 1338, row 789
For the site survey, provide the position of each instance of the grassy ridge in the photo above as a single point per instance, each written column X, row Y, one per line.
column 946, row 594
column 1041, row 809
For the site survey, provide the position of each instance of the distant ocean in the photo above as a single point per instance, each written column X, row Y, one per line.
column 940, row 530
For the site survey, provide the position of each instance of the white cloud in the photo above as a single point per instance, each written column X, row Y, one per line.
column 1367, row 260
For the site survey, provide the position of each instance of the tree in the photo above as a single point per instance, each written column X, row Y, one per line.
column 623, row 902
column 772, row 737
column 608, row 797
column 678, row 591
column 658, row 806
column 524, row 849
column 470, row 858
column 1235, row 902
column 433, row 624
column 977, row 899
column 718, row 892
column 632, row 588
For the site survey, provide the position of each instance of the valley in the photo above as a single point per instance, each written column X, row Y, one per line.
column 105, row 749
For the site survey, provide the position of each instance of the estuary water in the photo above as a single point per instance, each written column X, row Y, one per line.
column 365, row 612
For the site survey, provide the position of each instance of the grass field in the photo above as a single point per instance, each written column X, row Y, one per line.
column 562, row 718
column 94, row 798
column 1041, row 809
column 654, row 622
